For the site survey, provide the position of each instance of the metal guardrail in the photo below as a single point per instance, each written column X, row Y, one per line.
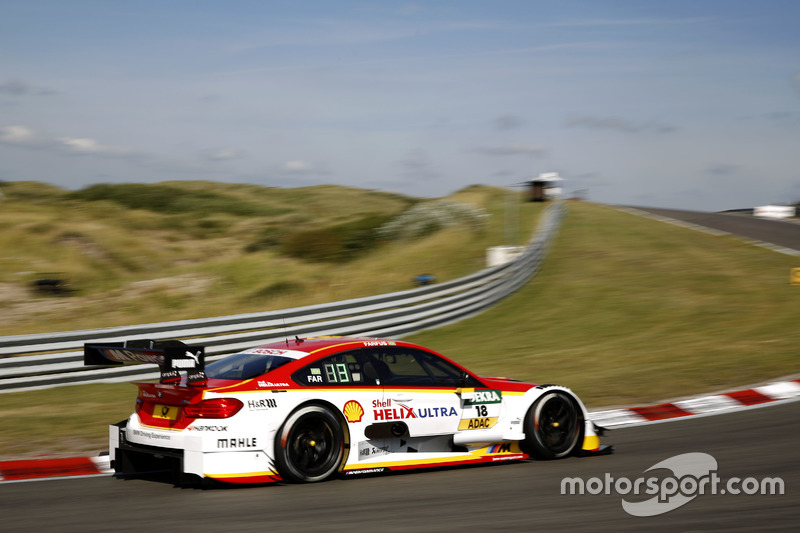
column 49, row 360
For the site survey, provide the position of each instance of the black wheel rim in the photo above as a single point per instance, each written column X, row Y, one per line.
column 313, row 446
column 558, row 424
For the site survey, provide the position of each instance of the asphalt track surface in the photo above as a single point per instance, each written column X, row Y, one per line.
column 783, row 233
column 524, row 496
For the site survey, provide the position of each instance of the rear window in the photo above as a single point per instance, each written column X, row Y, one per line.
column 243, row 366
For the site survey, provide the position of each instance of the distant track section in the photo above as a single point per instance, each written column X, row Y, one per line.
column 29, row 362
column 781, row 236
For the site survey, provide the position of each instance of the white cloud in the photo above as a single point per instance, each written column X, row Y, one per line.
column 23, row 136
column 299, row 167
column 84, row 146
column 18, row 135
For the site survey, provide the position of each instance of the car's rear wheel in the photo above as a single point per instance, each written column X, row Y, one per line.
column 553, row 426
column 310, row 445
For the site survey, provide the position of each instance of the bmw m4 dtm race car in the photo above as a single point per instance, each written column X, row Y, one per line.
column 309, row 409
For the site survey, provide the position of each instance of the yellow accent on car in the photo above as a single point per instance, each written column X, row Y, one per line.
column 477, row 423
column 591, row 442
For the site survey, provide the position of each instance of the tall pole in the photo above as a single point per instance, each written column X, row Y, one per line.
column 511, row 216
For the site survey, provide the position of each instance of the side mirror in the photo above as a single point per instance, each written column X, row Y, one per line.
column 466, row 393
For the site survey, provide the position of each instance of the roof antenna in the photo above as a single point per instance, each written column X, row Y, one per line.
column 298, row 340
column 285, row 336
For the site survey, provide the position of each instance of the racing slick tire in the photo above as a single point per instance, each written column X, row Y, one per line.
column 553, row 426
column 310, row 445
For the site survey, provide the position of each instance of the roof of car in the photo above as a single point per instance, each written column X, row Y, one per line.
column 314, row 344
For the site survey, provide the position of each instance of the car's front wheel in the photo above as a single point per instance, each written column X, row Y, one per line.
column 310, row 445
column 553, row 426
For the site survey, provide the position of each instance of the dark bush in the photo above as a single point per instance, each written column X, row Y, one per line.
column 335, row 244
column 316, row 245
column 271, row 237
column 166, row 199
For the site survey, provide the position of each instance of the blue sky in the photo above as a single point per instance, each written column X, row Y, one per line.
column 684, row 104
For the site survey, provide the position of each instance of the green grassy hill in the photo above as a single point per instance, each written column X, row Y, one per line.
column 138, row 253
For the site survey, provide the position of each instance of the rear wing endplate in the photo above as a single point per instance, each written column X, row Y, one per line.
column 171, row 356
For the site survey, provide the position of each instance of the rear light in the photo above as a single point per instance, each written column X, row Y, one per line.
column 213, row 408
column 139, row 404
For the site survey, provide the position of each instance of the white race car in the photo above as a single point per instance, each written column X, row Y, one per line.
column 308, row 409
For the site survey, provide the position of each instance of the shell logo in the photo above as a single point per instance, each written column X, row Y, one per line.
column 353, row 411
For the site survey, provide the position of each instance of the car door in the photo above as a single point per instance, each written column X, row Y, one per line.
column 416, row 391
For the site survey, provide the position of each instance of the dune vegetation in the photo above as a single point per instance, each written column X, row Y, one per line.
column 135, row 253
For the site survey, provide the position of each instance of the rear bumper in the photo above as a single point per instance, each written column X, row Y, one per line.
column 129, row 458
column 186, row 465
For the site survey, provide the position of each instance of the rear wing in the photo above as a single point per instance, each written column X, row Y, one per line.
column 171, row 356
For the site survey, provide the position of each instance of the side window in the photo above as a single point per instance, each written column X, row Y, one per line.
column 383, row 366
column 415, row 368
column 445, row 373
column 339, row 370
column 404, row 368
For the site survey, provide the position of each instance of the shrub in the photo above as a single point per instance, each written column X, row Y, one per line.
column 270, row 237
column 335, row 244
column 166, row 199
column 430, row 217
column 315, row 245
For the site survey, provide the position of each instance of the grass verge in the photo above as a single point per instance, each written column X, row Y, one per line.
column 629, row 310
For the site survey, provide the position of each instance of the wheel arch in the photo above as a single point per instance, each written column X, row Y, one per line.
column 533, row 395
